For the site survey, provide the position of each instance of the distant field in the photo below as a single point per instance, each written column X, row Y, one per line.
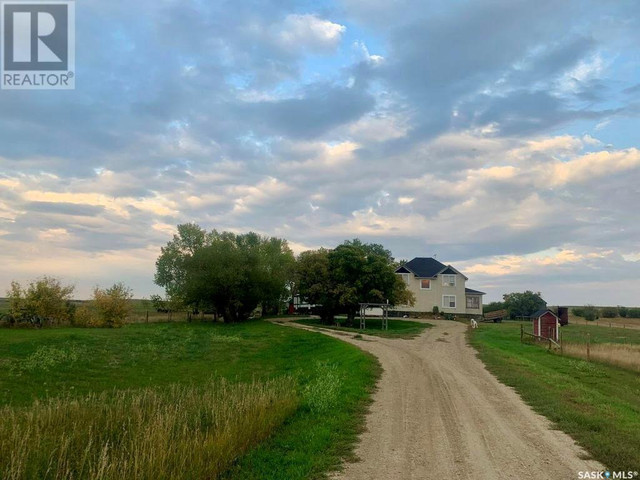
column 597, row 404
column 397, row 328
column 99, row 379
column 578, row 333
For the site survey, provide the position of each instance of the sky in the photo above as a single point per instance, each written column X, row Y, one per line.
column 500, row 136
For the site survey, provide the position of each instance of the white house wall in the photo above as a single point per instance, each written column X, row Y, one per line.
column 426, row 299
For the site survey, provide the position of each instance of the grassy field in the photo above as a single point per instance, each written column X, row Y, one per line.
column 598, row 405
column 614, row 346
column 397, row 328
column 577, row 333
column 306, row 392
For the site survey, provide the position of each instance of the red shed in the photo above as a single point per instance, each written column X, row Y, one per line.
column 546, row 324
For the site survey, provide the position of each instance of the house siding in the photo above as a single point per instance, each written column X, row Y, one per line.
column 426, row 299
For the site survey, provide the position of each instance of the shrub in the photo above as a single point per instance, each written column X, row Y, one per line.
column 591, row 313
column 633, row 313
column 45, row 301
column 578, row 311
column 622, row 311
column 608, row 312
column 112, row 305
column 435, row 310
column 84, row 317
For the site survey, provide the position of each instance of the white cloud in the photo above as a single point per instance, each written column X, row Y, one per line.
column 309, row 31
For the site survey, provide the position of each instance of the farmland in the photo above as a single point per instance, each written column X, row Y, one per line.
column 597, row 404
column 269, row 388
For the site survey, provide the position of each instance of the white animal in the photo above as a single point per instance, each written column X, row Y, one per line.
column 474, row 324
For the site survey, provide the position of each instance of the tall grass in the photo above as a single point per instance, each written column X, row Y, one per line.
column 175, row 432
column 618, row 354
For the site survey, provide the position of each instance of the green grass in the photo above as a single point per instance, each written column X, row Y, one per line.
column 598, row 334
column 397, row 328
column 333, row 380
column 598, row 405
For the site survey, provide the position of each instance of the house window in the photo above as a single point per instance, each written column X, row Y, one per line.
column 448, row 301
column 405, row 277
column 473, row 302
column 449, row 280
column 425, row 284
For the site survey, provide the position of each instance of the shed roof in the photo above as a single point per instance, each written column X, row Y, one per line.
column 541, row 312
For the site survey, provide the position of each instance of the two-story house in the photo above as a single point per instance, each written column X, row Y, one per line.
column 436, row 284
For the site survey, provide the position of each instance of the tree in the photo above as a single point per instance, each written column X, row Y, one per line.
column 171, row 272
column 523, row 304
column 352, row 273
column 225, row 272
column 314, row 283
column 493, row 307
column 45, row 301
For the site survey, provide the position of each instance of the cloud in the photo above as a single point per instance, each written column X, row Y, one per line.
column 308, row 31
column 499, row 136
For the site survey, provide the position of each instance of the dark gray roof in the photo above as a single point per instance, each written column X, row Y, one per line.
column 473, row 292
column 424, row 267
column 541, row 312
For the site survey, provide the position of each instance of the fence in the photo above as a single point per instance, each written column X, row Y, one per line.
column 152, row 316
column 621, row 354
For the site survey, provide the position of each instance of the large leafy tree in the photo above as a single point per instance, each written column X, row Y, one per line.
column 523, row 303
column 352, row 273
column 229, row 273
column 314, row 283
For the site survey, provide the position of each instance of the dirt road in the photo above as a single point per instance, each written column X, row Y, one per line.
column 439, row 414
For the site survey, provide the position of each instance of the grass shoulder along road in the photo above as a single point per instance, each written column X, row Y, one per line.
column 596, row 404
column 397, row 328
column 304, row 395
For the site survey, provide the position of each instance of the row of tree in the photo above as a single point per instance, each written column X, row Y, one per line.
column 233, row 274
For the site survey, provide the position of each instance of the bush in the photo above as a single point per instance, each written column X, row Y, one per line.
column 591, row 313
column 622, row 311
column 84, row 317
column 111, row 306
column 608, row 312
column 633, row 313
column 435, row 310
column 578, row 311
column 44, row 302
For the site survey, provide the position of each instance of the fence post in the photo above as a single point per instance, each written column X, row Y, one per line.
column 588, row 347
column 561, row 347
column 521, row 333
column 147, row 315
